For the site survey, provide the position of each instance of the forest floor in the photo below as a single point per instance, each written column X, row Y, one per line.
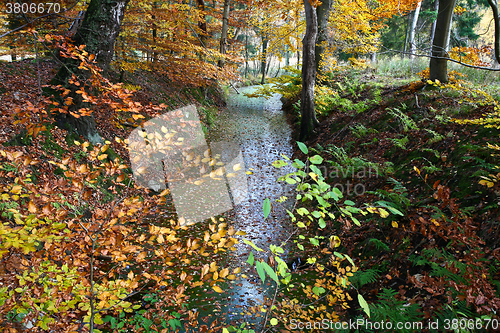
column 397, row 143
column 19, row 83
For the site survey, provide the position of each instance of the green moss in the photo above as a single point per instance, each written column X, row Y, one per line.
column 20, row 139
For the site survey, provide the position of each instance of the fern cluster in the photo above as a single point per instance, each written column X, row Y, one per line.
column 360, row 278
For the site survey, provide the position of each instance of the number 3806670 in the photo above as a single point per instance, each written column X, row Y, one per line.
column 33, row 8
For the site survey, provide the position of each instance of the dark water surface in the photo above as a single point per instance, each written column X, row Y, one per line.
column 257, row 129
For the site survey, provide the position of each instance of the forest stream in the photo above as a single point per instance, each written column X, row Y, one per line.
column 259, row 130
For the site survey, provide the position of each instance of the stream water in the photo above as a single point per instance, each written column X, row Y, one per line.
column 255, row 129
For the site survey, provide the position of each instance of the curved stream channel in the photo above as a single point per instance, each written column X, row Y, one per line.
column 258, row 129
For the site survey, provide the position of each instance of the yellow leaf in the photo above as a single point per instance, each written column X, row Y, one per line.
column 416, row 169
column 383, row 213
column 16, row 189
column 334, row 241
column 204, row 270
column 101, row 157
column 160, row 239
column 224, row 272
column 197, row 284
column 164, row 192
column 237, row 167
column 241, row 233
column 394, row 224
column 213, row 266
column 217, row 289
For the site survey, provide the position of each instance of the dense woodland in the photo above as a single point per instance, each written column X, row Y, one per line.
column 394, row 211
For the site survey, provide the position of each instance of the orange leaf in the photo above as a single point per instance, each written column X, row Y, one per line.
column 32, row 207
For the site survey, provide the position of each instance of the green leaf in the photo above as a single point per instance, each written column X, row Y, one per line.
column 301, row 225
column 279, row 164
column 250, row 259
column 322, row 202
column 248, row 242
column 318, row 290
column 266, row 207
column 276, row 249
column 290, row 181
column 314, row 241
column 317, row 171
column 316, row 214
column 302, row 211
column 260, row 271
column 340, row 255
column 316, row 159
column 364, row 305
column 300, row 247
column 356, row 221
column 303, row 147
column 337, row 192
column 271, row 272
column 350, row 260
column 273, row 321
column 321, row 223
column 349, row 202
column 298, row 163
column 388, row 206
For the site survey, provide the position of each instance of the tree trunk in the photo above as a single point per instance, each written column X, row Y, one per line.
column 308, row 114
column 263, row 60
column 433, row 28
column 99, row 30
column 438, row 66
column 413, row 28
column 323, row 12
column 287, row 57
column 496, row 18
column 407, row 35
column 449, row 35
column 154, row 55
column 246, row 56
column 202, row 23
column 225, row 28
